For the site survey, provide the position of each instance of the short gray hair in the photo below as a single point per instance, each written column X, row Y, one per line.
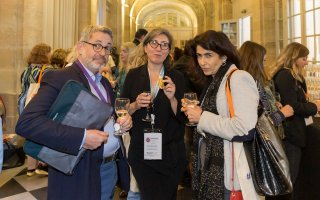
column 88, row 31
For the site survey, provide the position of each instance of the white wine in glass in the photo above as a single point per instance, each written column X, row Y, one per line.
column 191, row 100
column 121, row 107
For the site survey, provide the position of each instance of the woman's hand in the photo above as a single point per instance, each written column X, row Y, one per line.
column 142, row 100
column 169, row 88
column 191, row 111
column 287, row 111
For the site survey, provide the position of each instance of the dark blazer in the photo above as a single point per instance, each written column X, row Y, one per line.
column 36, row 126
column 292, row 92
column 173, row 160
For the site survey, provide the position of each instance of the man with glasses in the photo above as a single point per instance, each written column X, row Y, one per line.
column 95, row 176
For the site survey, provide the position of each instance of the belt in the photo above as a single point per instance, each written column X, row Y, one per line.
column 110, row 158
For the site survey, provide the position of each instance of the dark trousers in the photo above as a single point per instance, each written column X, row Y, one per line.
column 294, row 157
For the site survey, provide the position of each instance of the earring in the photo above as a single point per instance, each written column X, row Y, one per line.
column 224, row 61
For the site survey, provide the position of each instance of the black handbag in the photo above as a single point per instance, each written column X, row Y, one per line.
column 12, row 156
column 266, row 157
column 267, row 160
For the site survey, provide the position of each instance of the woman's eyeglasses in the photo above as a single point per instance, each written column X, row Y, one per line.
column 154, row 44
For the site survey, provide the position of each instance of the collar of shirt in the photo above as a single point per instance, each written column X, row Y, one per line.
column 95, row 77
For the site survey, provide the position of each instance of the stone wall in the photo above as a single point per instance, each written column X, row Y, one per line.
column 22, row 27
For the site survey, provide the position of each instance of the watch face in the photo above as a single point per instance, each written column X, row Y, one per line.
column 116, row 127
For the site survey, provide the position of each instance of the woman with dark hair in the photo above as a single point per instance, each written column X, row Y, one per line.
column 287, row 74
column 219, row 161
column 156, row 178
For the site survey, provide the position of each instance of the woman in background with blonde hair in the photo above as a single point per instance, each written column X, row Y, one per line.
column 287, row 73
column 126, row 50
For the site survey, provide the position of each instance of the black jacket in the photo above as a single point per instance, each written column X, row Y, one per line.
column 157, row 179
column 293, row 92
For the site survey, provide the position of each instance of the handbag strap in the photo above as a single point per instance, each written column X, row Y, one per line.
column 231, row 110
column 228, row 93
column 41, row 72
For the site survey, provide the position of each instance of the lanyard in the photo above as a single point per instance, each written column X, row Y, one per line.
column 156, row 89
column 92, row 83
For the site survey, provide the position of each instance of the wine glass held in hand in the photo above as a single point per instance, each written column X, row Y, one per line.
column 147, row 118
column 121, row 107
column 190, row 100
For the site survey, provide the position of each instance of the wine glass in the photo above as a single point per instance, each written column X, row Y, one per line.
column 191, row 100
column 147, row 118
column 121, row 107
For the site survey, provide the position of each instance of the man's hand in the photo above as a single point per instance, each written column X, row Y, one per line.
column 125, row 122
column 94, row 139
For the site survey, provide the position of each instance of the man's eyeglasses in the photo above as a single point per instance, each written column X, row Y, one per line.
column 99, row 47
column 154, row 44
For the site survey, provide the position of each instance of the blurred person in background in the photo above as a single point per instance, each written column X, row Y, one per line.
column 58, row 58
column 139, row 36
column 125, row 50
column 252, row 56
column 287, row 73
column 38, row 59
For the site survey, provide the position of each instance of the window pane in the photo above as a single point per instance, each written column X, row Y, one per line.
column 297, row 40
column 309, row 4
column 289, row 8
column 318, row 48
column 317, row 22
column 310, row 46
column 309, row 23
column 296, row 7
column 316, row 3
column 289, row 27
column 296, row 23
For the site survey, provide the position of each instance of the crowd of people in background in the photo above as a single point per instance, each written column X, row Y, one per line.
column 154, row 75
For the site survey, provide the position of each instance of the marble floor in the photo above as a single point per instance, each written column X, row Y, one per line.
column 16, row 185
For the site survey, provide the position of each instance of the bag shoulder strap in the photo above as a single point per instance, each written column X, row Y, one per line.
column 231, row 110
column 41, row 72
column 228, row 93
